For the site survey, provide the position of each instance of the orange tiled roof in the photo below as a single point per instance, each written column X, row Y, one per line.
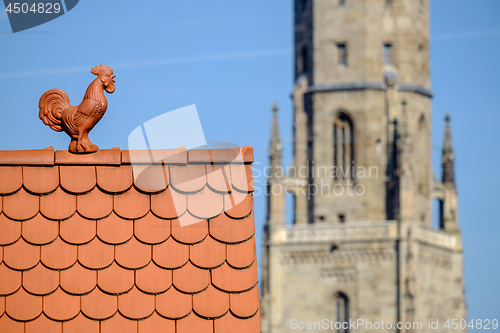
column 85, row 248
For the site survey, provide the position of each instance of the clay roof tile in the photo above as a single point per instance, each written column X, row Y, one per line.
column 10, row 325
column 115, row 279
column 77, row 230
column 173, row 249
column 193, row 323
column 191, row 279
column 155, row 323
column 136, row 304
column 95, row 204
column 40, row 180
column 132, row 204
column 10, row 280
column 98, row 305
column 43, row 324
column 115, row 230
column 58, row 205
column 174, row 304
column 153, row 279
column 151, row 230
column 22, row 306
column 170, row 254
column 77, row 179
column 39, row 230
column 78, row 280
column 61, row 306
column 114, row 179
column 58, row 254
column 133, row 254
column 211, row 303
column 10, row 230
column 208, row 254
column 81, row 324
column 119, row 324
column 96, row 254
column 11, row 179
column 40, row 280
column 21, row 205
column 21, row 255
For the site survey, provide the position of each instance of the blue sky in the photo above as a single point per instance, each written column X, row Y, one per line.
column 233, row 59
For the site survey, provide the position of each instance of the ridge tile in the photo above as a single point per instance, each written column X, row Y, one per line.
column 27, row 157
column 136, row 305
column 98, row 305
column 115, row 230
column 10, row 280
column 95, row 204
column 133, row 254
column 40, row 180
column 81, row 324
column 78, row 280
column 152, row 230
column 11, row 179
column 132, row 204
column 191, row 279
column 167, row 156
column 227, row 230
column 101, row 157
column 170, row 254
column 193, row 323
column 77, row 179
column 211, row 303
column 39, row 230
column 234, row 280
column 58, row 205
column 61, row 306
column 21, row 255
column 59, row 254
column 245, row 305
column 114, row 179
column 173, row 304
column 119, row 324
column 153, row 279
column 77, row 230
column 96, row 254
column 156, row 324
column 208, row 254
column 43, row 324
column 22, row 306
column 21, row 205
column 40, row 280
column 115, row 279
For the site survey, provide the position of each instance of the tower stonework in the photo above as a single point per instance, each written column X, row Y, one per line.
column 362, row 243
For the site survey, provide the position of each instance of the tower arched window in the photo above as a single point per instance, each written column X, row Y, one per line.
column 342, row 313
column 343, row 147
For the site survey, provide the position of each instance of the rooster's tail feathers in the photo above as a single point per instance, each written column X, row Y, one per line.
column 52, row 104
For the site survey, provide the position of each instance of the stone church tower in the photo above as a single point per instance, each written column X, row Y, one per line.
column 362, row 244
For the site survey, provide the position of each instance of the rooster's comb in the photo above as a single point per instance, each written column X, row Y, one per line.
column 98, row 70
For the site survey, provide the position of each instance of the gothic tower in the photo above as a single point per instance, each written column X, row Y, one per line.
column 361, row 244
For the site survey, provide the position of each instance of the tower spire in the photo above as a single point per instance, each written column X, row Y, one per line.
column 448, row 158
column 275, row 147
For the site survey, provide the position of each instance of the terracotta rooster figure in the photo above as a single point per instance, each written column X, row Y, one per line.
column 77, row 121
